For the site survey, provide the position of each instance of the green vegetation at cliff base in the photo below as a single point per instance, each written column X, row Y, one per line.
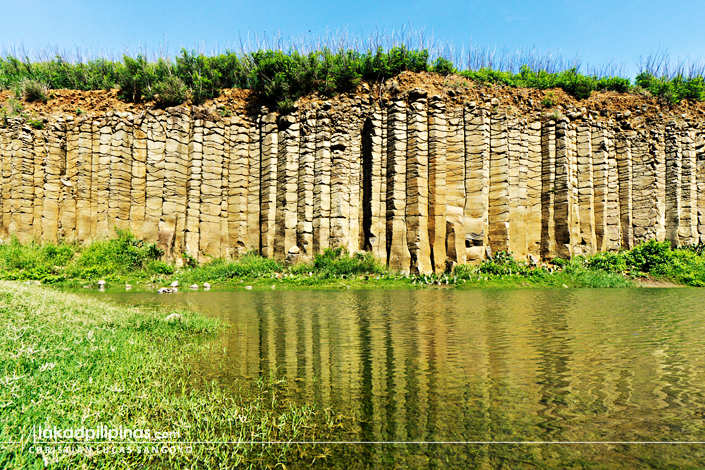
column 128, row 260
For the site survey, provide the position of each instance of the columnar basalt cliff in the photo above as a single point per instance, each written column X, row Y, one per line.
column 416, row 178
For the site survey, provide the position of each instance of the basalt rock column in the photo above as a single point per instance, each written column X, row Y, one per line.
column 586, row 191
column 374, row 186
column 417, row 186
column 213, row 203
column 498, row 216
column 477, row 182
column 322, row 180
column 269, row 151
column 340, row 183
column 624, row 168
column 40, row 154
column 176, row 164
column 688, row 230
column 533, row 188
column 437, row 151
column 53, row 170
column 194, row 181
column 138, row 187
column 120, row 173
column 517, row 153
column 645, row 211
column 563, row 202
column 673, row 185
column 238, row 186
column 548, row 189
column 455, row 186
column 154, row 185
column 287, row 186
column 398, row 257
column 306, row 184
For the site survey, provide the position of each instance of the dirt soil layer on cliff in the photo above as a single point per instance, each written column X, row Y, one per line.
column 640, row 107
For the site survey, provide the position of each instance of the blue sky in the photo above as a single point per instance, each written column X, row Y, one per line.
column 598, row 31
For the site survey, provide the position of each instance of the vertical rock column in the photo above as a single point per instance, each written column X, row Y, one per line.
column 306, row 184
column 548, row 190
column 67, row 199
column 600, row 187
column 688, row 231
column 176, row 164
column 23, row 185
column 120, row 175
column 321, row 186
column 6, row 139
column 455, row 186
column 657, row 155
column 586, row 190
column 517, row 172
column 340, row 183
column 84, row 180
column 417, row 186
column 268, row 197
column 626, row 204
column 287, row 186
column 356, row 236
column 532, row 134
column 563, row 202
column 374, row 172
column 700, row 159
column 254, row 184
column 498, row 217
column 614, row 227
column 53, row 169
column 138, row 187
column 238, row 187
column 40, row 155
column 103, row 229
column 214, row 203
column 194, row 183
column 645, row 213
column 154, row 166
column 477, row 182
column 437, row 151
column 398, row 257
column 673, row 185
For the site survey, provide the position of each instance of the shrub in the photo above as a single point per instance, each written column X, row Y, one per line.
column 32, row 90
column 650, row 255
column 337, row 262
column 170, row 91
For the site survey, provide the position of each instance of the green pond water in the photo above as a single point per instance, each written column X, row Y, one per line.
column 564, row 378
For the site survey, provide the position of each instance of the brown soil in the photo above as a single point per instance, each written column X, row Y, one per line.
column 649, row 282
column 454, row 88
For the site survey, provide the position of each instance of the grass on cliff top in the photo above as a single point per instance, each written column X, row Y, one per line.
column 282, row 75
column 72, row 362
column 128, row 260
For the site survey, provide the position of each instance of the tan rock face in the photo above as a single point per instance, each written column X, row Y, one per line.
column 418, row 181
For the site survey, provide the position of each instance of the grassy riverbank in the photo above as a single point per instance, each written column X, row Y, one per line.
column 128, row 260
column 73, row 362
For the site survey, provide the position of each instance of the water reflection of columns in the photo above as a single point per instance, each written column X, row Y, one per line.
column 552, row 343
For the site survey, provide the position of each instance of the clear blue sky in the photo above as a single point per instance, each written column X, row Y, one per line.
column 596, row 30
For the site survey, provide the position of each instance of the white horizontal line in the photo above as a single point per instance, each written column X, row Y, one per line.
column 365, row 442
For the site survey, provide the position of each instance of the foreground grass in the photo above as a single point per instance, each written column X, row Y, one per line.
column 72, row 362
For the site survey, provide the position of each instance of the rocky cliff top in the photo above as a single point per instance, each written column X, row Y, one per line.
column 632, row 110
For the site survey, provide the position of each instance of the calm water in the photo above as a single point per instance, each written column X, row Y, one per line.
column 482, row 365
